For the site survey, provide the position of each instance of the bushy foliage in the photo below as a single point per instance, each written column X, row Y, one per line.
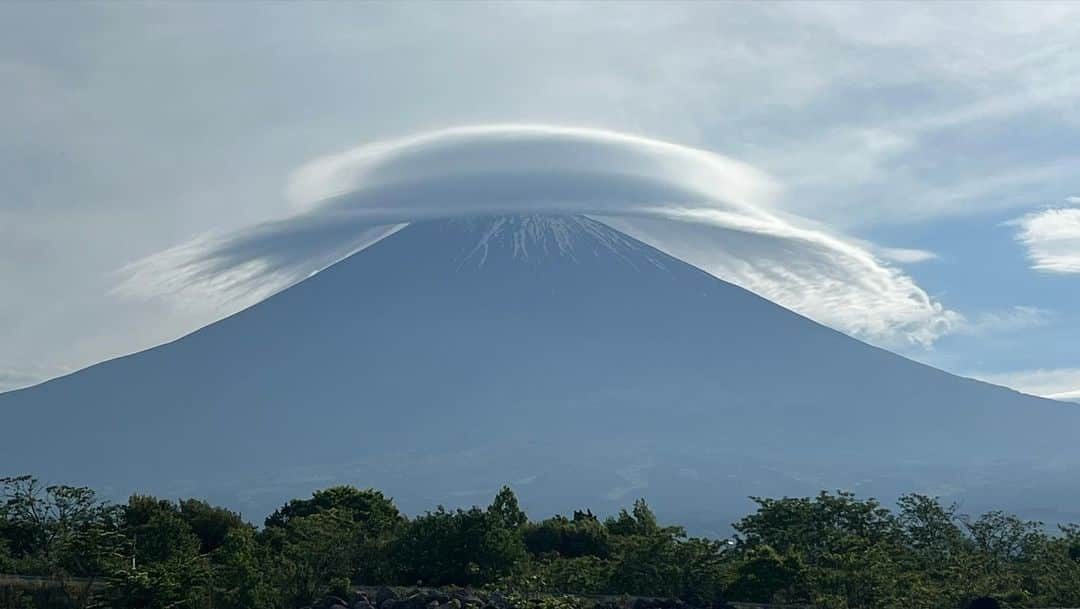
column 834, row 550
column 57, row 530
column 210, row 524
column 369, row 508
column 582, row 535
column 308, row 554
column 462, row 547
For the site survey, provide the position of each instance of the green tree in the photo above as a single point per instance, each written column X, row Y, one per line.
column 702, row 567
column 309, row 552
column 639, row 521
column 938, row 553
column 238, row 577
column 577, row 575
column 584, row 535
column 505, row 511
column 763, row 575
column 847, row 546
column 59, row 531
column 210, row 524
column 164, row 566
column 645, row 564
column 369, row 508
column 463, row 547
column 177, row 582
column 1005, row 548
column 158, row 533
column 930, row 529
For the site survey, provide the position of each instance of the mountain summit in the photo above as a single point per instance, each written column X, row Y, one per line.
column 550, row 352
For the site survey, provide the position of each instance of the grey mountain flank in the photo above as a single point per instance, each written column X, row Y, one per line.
column 550, row 352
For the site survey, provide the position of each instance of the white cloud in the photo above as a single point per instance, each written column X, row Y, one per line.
column 1000, row 322
column 1052, row 238
column 375, row 177
column 709, row 210
column 821, row 276
column 1058, row 384
column 1066, row 396
column 872, row 114
column 905, row 255
column 18, row 378
column 229, row 272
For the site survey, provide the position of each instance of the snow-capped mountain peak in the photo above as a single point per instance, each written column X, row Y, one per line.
column 538, row 237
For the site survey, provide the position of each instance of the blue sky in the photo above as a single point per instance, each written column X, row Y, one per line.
column 948, row 131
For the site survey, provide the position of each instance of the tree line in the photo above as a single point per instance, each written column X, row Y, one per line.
column 834, row 550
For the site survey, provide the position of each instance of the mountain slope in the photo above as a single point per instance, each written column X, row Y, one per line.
column 549, row 351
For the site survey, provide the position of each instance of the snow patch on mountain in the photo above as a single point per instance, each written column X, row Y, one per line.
column 536, row 238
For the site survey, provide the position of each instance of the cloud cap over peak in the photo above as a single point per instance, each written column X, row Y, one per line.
column 626, row 171
column 711, row 211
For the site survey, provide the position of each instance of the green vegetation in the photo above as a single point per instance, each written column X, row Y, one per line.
column 833, row 550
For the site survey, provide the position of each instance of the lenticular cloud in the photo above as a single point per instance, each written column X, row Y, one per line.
column 712, row 212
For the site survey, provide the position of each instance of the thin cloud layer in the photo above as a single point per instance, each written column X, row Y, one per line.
column 16, row 379
column 818, row 275
column 238, row 269
column 905, row 255
column 1057, row 383
column 711, row 211
column 1052, row 238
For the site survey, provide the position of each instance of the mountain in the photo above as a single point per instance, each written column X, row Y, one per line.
column 550, row 352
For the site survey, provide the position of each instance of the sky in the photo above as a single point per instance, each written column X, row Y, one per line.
column 939, row 139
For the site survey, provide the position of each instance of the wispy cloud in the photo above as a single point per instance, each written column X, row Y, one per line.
column 15, row 379
column 819, row 275
column 711, row 211
column 905, row 255
column 1010, row 320
column 1058, row 384
column 1052, row 237
column 1066, row 396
